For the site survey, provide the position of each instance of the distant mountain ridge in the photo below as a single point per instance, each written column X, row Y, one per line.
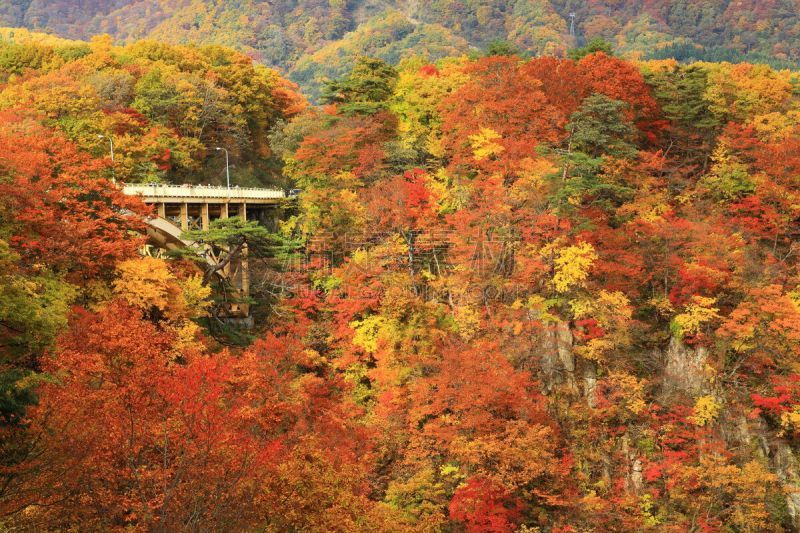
column 312, row 40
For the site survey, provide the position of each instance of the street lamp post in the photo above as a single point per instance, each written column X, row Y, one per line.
column 227, row 166
column 111, row 143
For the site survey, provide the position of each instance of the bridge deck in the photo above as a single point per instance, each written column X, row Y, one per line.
column 203, row 194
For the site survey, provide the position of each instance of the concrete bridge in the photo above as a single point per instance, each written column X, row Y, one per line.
column 181, row 208
column 192, row 207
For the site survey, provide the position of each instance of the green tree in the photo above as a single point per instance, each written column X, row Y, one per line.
column 681, row 95
column 33, row 310
column 231, row 237
column 156, row 98
column 599, row 127
column 597, row 44
column 500, row 47
column 366, row 90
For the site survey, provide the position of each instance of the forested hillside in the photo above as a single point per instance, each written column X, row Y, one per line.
column 166, row 107
column 514, row 294
column 313, row 40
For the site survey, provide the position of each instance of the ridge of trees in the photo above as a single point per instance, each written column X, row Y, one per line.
column 530, row 294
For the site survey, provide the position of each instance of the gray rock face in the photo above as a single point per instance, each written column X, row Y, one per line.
column 559, row 364
column 590, row 383
column 557, row 358
column 685, row 368
column 784, row 464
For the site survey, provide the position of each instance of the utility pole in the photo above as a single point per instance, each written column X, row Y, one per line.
column 227, row 167
column 111, row 142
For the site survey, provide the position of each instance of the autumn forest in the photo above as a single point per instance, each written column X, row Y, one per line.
column 505, row 289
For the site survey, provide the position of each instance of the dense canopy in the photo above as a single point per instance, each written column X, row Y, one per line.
column 514, row 294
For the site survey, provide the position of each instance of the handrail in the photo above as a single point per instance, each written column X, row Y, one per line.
column 200, row 191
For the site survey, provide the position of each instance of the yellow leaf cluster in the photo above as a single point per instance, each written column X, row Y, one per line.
column 538, row 309
column 774, row 127
column 515, row 457
column 416, row 100
column 531, row 183
column 484, row 145
column 696, row 313
column 451, row 195
column 146, row 283
column 706, row 410
column 633, row 390
column 606, row 307
column 368, row 331
column 572, row 265
column 737, row 492
column 195, row 296
column 186, row 335
column 468, row 321
column 790, row 421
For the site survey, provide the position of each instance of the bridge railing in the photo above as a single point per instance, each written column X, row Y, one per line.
column 201, row 191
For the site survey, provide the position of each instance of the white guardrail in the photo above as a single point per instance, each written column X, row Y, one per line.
column 201, row 191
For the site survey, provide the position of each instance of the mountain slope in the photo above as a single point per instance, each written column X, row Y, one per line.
column 311, row 39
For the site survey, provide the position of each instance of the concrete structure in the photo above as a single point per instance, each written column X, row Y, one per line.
column 192, row 207
column 181, row 208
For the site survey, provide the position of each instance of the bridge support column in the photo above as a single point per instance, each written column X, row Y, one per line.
column 223, row 210
column 243, row 211
column 245, row 271
column 184, row 216
column 204, row 218
column 162, row 210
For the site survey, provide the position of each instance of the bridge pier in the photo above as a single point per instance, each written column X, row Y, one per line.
column 204, row 216
column 184, row 216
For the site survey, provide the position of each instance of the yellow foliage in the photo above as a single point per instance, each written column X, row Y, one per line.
column 650, row 206
column 633, row 390
column 335, row 211
column 146, row 283
column 647, row 506
column 422, row 495
column 572, row 266
column 468, row 321
column 24, row 36
column 706, row 410
column 531, row 183
column 794, row 296
column 773, row 127
column 368, row 331
column 519, row 455
column 186, row 334
column 790, row 421
column 97, row 293
column 416, row 100
column 448, row 470
column 538, row 309
column 451, row 195
column 695, row 314
column 596, row 349
column 195, row 296
column 605, row 307
column 746, row 90
column 662, row 305
column 736, row 494
column 484, row 145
